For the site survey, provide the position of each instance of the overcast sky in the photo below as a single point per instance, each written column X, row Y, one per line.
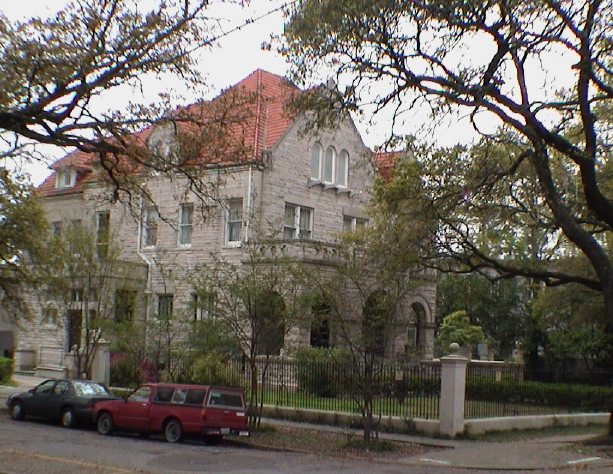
column 234, row 58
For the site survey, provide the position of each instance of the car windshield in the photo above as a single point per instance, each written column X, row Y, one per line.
column 90, row 389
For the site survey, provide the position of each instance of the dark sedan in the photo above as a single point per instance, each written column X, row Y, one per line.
column 69, row 401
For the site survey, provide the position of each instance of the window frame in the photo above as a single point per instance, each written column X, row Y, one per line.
column 185, row 229
column 65, row 178
column 296, row 228
column 165, row 310
column 329, row 157
column 151, row 226
column 316, row 161
column 232, row 223
column 342, row 157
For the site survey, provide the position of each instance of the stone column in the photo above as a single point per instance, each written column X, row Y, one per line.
column 453, row 391
column 101, row 367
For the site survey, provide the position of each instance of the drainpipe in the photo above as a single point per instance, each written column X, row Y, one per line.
column 147, row 261
column 249, row 213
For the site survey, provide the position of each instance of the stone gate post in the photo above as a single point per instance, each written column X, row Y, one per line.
column 453, row 390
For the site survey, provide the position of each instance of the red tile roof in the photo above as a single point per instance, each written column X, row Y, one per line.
column 235, row 127
column 385, row 161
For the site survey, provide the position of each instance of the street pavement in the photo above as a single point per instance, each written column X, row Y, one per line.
column 536, row 454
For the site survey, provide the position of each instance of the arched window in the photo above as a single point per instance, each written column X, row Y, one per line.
column 316, row 155
column 268, row 323
column 320, row 326
column 342, row 168
column 329, row 159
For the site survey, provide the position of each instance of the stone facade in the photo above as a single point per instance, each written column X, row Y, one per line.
column 280, row 176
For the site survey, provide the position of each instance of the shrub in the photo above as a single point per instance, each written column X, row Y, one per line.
column 6, row 370
column 323, row 372
column 124, row 370
column 211, row 369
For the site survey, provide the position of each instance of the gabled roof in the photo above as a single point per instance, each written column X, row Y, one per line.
column 243, row 121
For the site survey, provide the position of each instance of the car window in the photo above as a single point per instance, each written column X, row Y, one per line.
column 179, row 396
column 89, row 389
column 163, row 394
column 218, row 398
column 61, row 387
column 195, row 397
column 140, row 395
column 44, row 387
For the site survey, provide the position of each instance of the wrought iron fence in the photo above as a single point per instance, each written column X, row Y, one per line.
column 496, row 391
column 403, row 390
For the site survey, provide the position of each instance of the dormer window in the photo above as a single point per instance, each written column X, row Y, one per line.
column 65, row 178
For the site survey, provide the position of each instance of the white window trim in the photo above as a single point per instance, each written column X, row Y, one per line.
column 316, row 177
column 296, row 229
column 229, row 222
column 146, row 227
column 182, row 226
column 62, row 174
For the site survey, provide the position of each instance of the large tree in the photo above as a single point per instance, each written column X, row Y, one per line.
column 86, row 77
column 501, row 64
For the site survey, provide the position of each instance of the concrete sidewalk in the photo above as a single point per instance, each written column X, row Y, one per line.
column 536, row 454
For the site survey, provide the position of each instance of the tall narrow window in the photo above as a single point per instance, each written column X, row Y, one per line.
column 298, row 222
column 186, row 213
column 125, row 305
column 103, row 232
column 165, row 303
column 342, row 167
column 151, row 226
column 329, row 159
column 56, row 228
column 234, row 220
column 204, row 306
column 316, row 155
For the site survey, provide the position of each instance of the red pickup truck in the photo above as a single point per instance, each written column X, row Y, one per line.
column 176, row 410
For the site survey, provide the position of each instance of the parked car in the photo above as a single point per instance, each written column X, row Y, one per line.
column 176, row 410
column 69, row 401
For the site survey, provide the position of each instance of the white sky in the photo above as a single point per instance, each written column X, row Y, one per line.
column 237, row 55
column 240, row 53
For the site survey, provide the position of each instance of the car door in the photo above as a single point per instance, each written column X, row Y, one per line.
column 56, row 399
column 133, row 414
column 36, row 404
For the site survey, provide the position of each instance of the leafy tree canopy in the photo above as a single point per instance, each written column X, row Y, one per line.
column 537, row 187
column 456, row 327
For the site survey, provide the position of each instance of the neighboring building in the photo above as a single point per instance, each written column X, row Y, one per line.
column 267, row 174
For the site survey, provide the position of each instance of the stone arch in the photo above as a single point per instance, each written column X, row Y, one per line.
column 420, row 327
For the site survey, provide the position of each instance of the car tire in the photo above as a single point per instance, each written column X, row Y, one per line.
column 105, row 424
column 212, row 440
column 17, row 411
column 69, row 419
column 173, row 432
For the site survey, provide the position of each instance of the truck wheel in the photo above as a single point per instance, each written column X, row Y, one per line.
column 105, row 424
column 173, row 431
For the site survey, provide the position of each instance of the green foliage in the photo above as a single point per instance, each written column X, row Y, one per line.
column 210, row 369
column 125, row 371
column 512, row 390
column 456, row 327
column 6, row 370
column 321, row 371
column 501, row 308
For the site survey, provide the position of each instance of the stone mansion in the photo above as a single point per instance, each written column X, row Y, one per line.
column 307, row 186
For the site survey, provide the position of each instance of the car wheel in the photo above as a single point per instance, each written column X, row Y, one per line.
column 17, row 411
column 105, row 424
column 173, row 431
column 212, row 440
column 68, row 418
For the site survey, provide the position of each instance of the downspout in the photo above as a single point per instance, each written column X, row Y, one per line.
column 149, row 265
column 249, row 210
